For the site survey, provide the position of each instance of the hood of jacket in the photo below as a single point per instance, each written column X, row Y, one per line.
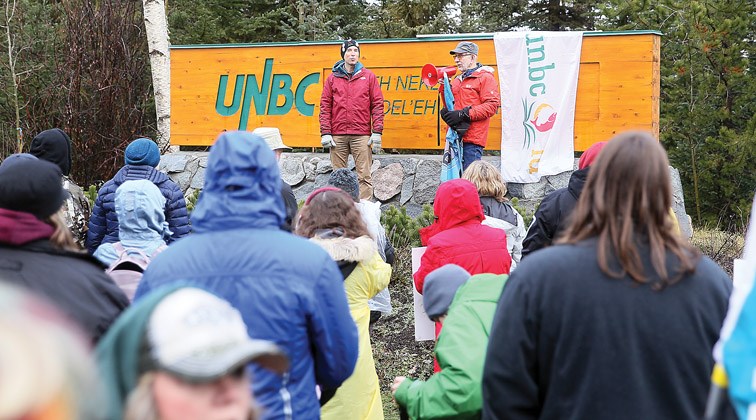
column 348, row 249
column 456, row 203
column 54, row 146
column 340, row 70
column 134, row 172
column 140, row 208
column 19, row 228
column 577, row 182
column 242, row 186
column 119, row 352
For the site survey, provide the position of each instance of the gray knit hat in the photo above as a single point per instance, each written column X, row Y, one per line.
column 345, row 180
column 440, row 287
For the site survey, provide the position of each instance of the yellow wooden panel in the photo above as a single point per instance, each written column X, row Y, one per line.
column 280, row 85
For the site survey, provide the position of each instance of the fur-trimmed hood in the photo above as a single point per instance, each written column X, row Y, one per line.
column 346, row 249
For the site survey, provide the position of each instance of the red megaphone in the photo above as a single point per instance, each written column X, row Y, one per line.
column 432, row 74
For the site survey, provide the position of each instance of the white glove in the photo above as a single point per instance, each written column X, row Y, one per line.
column 327, row 141
column 375, row 141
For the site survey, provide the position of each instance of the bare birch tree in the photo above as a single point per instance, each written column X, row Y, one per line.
column 160, row 61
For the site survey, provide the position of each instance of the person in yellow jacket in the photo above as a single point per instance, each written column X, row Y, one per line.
column 330, row 219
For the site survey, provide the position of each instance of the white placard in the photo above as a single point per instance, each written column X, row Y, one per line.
column 425, row 329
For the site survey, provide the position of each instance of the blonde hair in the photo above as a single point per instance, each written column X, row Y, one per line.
column 140, row 404
column 487, row 180
column 48, row 370
column 62, row 237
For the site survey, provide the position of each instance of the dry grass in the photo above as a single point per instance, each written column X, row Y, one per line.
column 722, row 247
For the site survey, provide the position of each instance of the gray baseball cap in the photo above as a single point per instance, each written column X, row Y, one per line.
column 465, row 47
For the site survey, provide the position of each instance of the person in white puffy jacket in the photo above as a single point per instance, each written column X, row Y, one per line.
column 499, row 212
column 346, row 180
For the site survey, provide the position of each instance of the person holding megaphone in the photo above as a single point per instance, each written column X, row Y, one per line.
column 476, row 99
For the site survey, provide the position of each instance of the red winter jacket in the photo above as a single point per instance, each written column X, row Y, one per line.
column 458, row 237
column 349, row 103
column 480, row 91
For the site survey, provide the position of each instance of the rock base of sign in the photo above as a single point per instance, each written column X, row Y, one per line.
column 400, row 180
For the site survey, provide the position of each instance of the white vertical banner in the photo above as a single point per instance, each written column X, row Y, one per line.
column 538, row 74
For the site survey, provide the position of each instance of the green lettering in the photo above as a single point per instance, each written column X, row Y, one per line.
column 386, row 107
column 414, row 80
column 281, row 86
column 536, row 74
column 529, row 40
column 538, row 85
column 401, row 81
column 430, row 105
column 220, row 103
column 387, row 83
column 536, row 50
column 258, row 92
column 299, row 98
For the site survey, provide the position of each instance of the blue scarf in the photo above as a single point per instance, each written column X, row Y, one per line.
column 468, row 72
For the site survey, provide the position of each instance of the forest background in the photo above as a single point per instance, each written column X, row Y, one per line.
column 83, row 66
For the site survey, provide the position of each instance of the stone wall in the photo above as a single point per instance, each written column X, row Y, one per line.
column 402, row 180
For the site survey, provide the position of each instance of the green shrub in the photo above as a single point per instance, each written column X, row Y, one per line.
column 91, row 195
column 403, row 232
column 191, row 200
column 527, row 215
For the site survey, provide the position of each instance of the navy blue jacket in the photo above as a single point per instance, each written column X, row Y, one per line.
column 103, row 223
column 287, row 289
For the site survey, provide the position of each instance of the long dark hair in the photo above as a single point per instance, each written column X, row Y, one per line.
column 328, row 209
column 626, row 201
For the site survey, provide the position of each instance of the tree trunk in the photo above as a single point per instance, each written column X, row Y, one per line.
column 158, row 45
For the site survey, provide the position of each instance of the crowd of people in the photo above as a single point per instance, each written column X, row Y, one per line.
column 251, row 308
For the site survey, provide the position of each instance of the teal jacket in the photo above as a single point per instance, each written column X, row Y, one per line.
column 455, row 392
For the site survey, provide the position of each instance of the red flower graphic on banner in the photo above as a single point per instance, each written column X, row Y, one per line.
column 541, row 120
column 543, row 123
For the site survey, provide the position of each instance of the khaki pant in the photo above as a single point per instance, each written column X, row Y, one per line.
column 363, row 160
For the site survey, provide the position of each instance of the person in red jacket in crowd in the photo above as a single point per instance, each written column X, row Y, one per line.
column 458, row 237
column 476, row 99
column 351, row 115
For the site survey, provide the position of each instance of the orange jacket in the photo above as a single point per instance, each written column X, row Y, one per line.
column 479, row 91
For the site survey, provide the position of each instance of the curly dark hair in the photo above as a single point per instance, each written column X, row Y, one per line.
column 330, row 209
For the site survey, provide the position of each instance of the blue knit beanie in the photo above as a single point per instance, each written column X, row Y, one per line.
column 142, row 152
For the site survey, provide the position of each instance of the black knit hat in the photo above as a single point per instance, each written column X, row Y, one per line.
column 32, row 186
column 345, row 180
column 349, row 43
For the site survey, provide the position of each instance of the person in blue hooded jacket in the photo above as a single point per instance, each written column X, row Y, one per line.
column 288, row 290
column 142, row 156
column 141, row 222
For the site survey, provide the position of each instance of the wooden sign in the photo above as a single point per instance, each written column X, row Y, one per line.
column 242, row 87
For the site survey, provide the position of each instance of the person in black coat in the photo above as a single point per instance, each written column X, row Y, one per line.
column 618, row 319
column 37, row 251
column 553, row 213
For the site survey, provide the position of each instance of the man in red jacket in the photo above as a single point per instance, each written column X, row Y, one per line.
column 476, row 95
column 351, row 115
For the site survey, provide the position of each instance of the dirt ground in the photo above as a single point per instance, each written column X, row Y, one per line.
column 394, row 347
